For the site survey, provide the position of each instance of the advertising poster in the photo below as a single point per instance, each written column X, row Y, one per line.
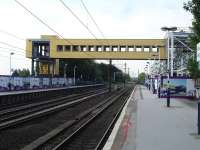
column 179, row 87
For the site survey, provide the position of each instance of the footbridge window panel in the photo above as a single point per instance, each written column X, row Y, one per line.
column 155, row 49
column 75, row 48
column 107, row 48
column 99, row 48
column 59, row 48
column 41, row 49
column 67, row 48
column 83, row 48
column 91, row 48
column 114, row 48
column 122, row 48
column 131, row 48
column 146, row 48
column 138, row 48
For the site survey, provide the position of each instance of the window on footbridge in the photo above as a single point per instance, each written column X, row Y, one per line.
column 155, row 49
column 75, row 48
column 122, row 48
column 83, row 48
column 107, row 48
column 91, row 48
column 67, row 48
column 59, row 48
column 138, row 48
column 130, row 48
column 114, row 48
column 99, row 48
column 146, row 49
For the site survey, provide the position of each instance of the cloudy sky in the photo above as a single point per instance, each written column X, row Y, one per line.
column 116, row 18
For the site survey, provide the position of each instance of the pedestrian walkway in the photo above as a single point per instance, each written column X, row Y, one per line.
column 148, row 124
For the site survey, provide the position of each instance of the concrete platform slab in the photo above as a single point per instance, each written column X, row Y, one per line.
column 148, row 124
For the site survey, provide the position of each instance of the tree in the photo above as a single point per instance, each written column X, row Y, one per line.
column 192, row 67
column 193, row 6
column 141, row 78
column 21, row 73
column 87, row 70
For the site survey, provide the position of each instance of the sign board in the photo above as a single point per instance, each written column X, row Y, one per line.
column 179, row 87
column 198, row 52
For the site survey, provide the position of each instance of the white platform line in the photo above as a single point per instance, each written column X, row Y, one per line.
column 115, row 130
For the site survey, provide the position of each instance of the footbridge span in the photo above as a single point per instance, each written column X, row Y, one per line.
column 46, row 51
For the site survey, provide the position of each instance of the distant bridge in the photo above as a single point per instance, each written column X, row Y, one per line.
column 47, row 50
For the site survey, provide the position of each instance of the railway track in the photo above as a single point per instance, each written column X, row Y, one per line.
column 48, row 129
column 18, row 135
column 46, row 97
column 71, row 134
column 24, row 113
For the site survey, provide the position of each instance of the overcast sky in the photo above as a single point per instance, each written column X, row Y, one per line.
column 116, row 18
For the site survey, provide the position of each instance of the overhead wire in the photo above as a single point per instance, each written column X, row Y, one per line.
column 7, row 56
column 13, row 46
column 92, row 18
column 12, row 35
column 21, row 52
column 76, row 16
column 42, row 21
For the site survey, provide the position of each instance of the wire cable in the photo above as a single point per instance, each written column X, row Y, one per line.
column 43, row 22
column 12, row 45
column 12, row 35
column 71, row 11
column 92, row 18
column 21, row 52
column 49, row 27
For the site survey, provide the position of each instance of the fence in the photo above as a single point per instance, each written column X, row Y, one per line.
column 8, row 83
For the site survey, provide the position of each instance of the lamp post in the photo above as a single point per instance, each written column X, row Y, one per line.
column 65, row 73
column 11, row 53
column 65, row 70
column 168, row 29
column 75, row 74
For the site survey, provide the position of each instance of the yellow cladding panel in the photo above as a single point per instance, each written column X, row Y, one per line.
column 139, row 42
column 107, row 55
column 43, row 68
column 54, row 41
column 29, row 48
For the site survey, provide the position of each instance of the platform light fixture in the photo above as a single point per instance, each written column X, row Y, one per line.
column 170, row 29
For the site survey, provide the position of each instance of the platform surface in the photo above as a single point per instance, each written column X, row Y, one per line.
column 147, row 124
column 45, row 89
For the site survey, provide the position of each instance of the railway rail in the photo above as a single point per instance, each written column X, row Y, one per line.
column 49, row 125
column 21, row 114
column 61, row 137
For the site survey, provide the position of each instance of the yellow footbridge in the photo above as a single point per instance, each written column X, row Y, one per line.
column 47, row 50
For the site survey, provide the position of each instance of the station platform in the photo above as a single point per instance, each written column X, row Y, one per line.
column 147, row 124
column 45, row 89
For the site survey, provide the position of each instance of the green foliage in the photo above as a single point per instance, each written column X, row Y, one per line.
column 87, row 70
column 21, row 73
column 141, row 78
column 192, row 67
column 193, row 6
